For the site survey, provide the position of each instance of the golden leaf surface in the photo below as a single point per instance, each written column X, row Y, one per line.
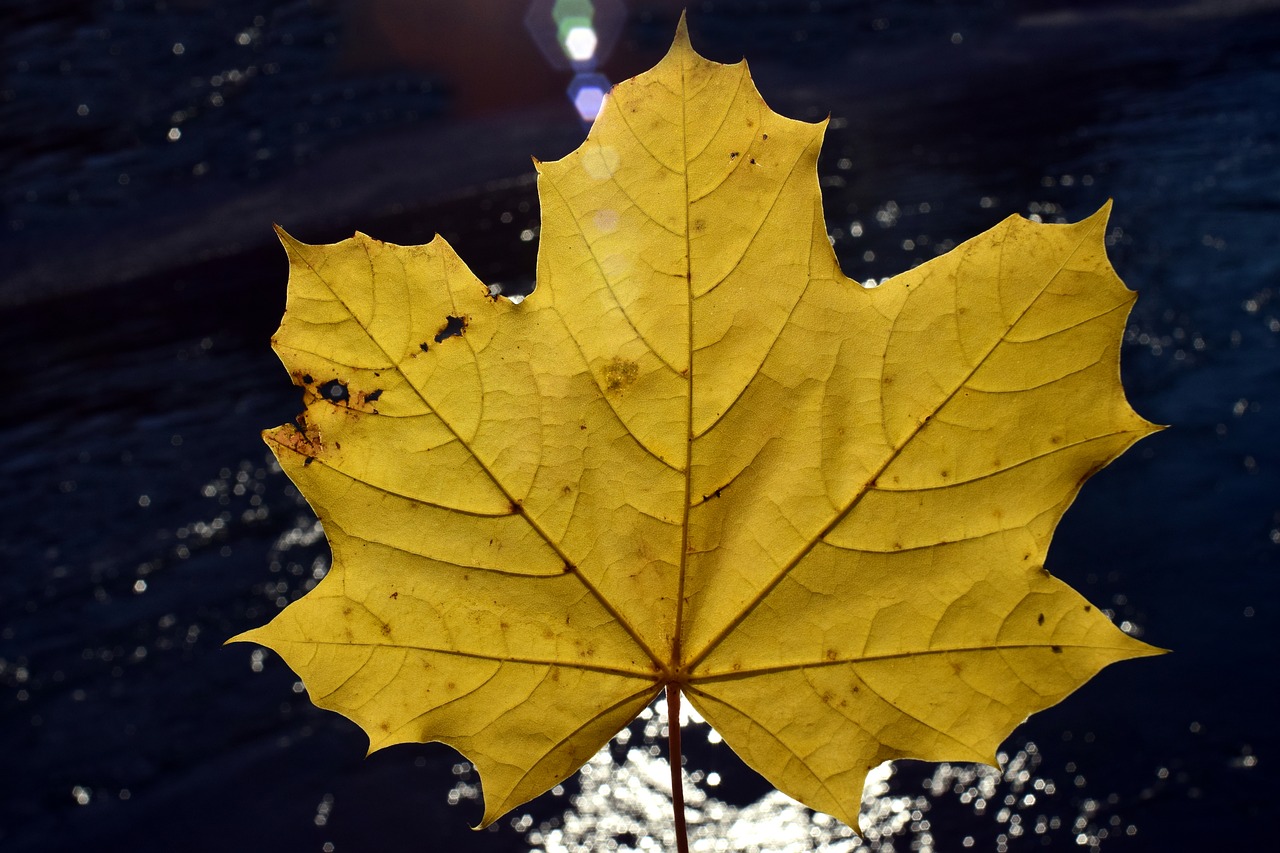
column 700, row 456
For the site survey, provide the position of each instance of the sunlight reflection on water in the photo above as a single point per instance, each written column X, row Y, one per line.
column 626, row 806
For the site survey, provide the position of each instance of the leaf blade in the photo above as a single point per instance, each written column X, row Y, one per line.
column 699, row 456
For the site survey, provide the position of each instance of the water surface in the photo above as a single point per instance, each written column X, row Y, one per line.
column 144, row 522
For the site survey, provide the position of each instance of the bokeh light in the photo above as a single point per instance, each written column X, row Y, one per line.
column 575, row 35
column 578, row 35
column 580, row 43
column 573, row 21
column 587, row 92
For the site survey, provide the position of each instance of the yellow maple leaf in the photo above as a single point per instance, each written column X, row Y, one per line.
column 699, row 457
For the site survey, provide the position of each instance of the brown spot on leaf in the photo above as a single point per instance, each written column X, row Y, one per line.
column 619, row 375
column 1057, row 650
column 1040, row 619
column 304, row 439
column 394, row 596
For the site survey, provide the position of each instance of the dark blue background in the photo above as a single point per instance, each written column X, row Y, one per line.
column 139, row 284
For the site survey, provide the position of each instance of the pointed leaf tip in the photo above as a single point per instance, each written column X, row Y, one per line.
column 681, row 39
column 290, row 243
column 1103, row 213
column 242, row 637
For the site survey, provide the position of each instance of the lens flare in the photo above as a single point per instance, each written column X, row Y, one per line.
column 587, row 92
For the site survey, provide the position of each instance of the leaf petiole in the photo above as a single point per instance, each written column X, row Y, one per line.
column 674, row 758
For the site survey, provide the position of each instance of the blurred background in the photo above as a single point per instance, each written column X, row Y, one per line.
column 147, row 147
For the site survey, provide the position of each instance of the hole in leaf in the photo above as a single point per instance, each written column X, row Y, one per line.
column 335, row 391
column 453, row 327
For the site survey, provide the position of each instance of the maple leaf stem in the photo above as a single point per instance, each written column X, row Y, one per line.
column 674, row 758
